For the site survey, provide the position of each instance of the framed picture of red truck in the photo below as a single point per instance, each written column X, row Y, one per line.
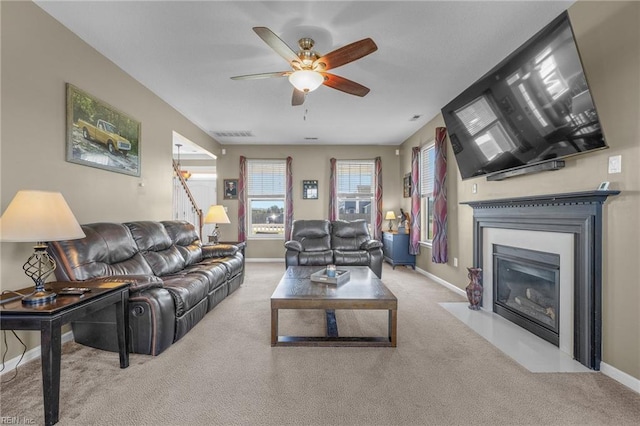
column 99, row 135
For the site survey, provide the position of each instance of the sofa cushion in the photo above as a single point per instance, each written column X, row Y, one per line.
column 351, row 257
column 315, row 258
column 349, row 235
column 156, row 246
column 233, row 264
column 216, row 274
column 185, row 238
column 107, row 249
column 187, row 290
column 313, row 235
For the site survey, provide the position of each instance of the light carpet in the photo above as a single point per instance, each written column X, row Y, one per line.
column 224, row 372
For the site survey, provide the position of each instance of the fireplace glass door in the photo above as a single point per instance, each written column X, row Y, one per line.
column 527, row 289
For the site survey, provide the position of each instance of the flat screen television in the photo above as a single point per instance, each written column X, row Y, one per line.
column 531, row 109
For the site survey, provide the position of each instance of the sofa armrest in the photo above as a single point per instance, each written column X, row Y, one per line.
column 293, row 245
column 218, row 250
column 136, row 282
column 370, row 245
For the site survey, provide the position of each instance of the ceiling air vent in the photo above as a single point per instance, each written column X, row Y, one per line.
column 234, row 134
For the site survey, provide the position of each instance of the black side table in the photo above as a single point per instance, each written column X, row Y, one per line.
column 50, row 318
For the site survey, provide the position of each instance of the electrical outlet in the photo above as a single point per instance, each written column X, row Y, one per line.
column 615, row 164
column 455, row 262
column 474, row 188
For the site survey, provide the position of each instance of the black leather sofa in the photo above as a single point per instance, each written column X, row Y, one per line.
column 340, row 242
column 174, row 279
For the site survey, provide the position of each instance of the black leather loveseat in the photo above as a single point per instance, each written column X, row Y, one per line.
column 174, row 279
column 340, row 242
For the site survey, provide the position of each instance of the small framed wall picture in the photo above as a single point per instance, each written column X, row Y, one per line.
column 309, row 189
column 406, row 186
column 231, row 189
column 603, row 186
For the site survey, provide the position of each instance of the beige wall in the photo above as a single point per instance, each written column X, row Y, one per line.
column 39, row 56
column 310, row 162
column 608, row 37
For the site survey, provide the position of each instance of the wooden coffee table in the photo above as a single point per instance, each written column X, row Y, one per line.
column 364, row 290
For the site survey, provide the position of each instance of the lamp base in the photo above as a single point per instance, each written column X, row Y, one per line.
column 215, row 236
column 39, row 298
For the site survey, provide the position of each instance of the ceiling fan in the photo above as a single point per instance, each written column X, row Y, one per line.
column 309, row 69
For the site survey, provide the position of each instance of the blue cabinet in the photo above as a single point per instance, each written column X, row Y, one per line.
column 395, row 248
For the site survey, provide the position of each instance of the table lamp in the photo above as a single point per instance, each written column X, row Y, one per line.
column 390, row 216
column 39, row 216
column 216, row 214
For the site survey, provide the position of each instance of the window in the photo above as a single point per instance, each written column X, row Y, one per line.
column 481, row 122
column 266, row 189
column 355, row 180
column 427, row 171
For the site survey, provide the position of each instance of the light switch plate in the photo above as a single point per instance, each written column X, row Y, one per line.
column 615, row 164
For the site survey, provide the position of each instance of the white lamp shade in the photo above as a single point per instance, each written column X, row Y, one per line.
column 39, row 216
column 216, row 214
column 390, row 215
column 306, row 80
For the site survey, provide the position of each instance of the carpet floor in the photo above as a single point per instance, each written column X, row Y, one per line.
column 224, row 372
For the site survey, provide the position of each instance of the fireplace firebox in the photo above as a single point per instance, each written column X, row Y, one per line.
column 526, row 289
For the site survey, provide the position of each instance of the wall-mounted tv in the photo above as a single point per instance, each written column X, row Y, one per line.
column 533, row 108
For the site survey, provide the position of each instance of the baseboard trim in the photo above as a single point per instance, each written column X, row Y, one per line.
column 620, row 376
column 31, row 354
column 264, row 260
column 442, row 282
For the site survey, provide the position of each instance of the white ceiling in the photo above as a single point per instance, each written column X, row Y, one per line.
column 186, row 52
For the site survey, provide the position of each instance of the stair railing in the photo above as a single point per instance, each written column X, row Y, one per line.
column 184, row 205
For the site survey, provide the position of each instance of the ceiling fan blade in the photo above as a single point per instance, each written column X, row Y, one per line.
column 297, row 98
column 344, row 85
column 277, row 44
column 262, row 75
column 346, row 54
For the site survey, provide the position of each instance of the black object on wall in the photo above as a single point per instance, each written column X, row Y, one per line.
column 532, row 108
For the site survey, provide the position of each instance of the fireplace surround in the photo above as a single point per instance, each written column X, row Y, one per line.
column 578, row 214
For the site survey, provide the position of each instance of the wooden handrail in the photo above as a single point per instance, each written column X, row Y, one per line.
column 192, row 200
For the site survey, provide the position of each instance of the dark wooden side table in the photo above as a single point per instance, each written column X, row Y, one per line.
column 50, row 318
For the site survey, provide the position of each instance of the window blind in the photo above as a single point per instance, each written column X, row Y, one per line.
column 427, row 170
column 477, row 115
column 266, row 178
column 355, row 177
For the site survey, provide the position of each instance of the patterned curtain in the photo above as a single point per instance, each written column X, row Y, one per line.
column 439, row 249
column 288, row 213
column 414, row 233
column 377, row 228
column 333, row 191
column 242, row 200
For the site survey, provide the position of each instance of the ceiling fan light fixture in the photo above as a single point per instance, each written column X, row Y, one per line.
column 306, row 80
